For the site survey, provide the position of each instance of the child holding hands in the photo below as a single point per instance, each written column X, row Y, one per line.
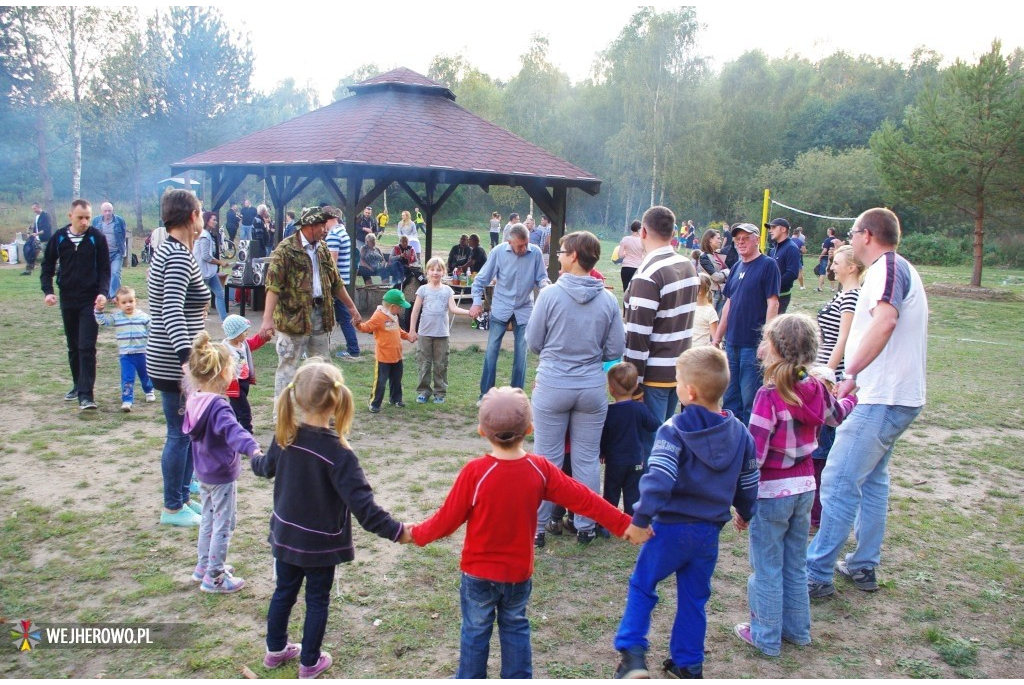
column 318, row 485
column 235, row 328
column 131, row 326
column 217, row 441
column 787, row 414
column 626, row 427
column 703, row 460
column 387, row 338
column 433, row 301
column 497, row 496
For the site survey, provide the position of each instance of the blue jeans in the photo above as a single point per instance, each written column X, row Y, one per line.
column 481, row 600
column 217, row 290
column 344, row 317
column 245, row 232
column 690, row 551
column 319, row 580
column 855, row 488
column 494, row 338
column 116, row 261
column 663, row 403
column 777, row 589
column 132, row 364
column 745, row 379
column 176, row 460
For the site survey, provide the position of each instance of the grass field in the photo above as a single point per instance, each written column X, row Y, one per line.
column 81, row 498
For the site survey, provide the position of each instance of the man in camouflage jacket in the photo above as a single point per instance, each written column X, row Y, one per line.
column 301, row 279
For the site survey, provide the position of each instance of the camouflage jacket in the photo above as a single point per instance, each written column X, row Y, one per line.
column 290, row 275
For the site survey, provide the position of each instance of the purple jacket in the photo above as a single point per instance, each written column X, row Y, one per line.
column 217, row 438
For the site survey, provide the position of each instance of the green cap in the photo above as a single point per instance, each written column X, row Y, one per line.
column 395, row 296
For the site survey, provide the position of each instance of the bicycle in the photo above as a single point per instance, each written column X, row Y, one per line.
column 227, row 246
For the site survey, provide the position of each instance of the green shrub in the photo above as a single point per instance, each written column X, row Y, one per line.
column 935, row 250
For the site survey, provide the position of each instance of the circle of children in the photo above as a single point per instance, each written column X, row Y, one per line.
column 702, row 471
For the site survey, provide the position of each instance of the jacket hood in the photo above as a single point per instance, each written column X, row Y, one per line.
column 811, row 392
column 582, row 289
column 704, row 432
column 195, row 412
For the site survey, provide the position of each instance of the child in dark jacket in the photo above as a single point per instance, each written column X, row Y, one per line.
column 626, row 427
column 787, row 414
column 318, row 486
column 703, row 461
column 217, row 441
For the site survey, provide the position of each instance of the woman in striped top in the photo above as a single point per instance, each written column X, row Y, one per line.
column 178, row 300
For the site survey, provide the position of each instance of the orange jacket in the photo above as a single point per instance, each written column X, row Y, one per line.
column 387, row 335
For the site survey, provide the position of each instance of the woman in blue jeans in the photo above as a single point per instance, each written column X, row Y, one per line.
column 178, row 299
column 207, row 253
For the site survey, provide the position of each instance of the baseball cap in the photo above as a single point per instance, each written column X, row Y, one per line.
column 747, row 228
column 505, row 415
column 777, row 222
column 395, row 296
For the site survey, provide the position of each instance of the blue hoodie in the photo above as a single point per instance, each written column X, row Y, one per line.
column 702, row 463
column 217, row 438
column 575, row 326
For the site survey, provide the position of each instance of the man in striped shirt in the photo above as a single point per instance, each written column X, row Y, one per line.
column 340, row 246
column 659, row 304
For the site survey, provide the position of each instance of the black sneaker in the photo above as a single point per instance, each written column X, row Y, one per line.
column 400, row 404
column 632, row 667
column 554, row 526
column 538, row 540
column 86, row 404
column 819, row 590
column 569, row 526
column 585, row 537
column 862, row 578
column 674, row 671
column 374, row 409
column 72, row 395
column 602, row 532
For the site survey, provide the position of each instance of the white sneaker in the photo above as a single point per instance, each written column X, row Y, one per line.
column 151, row 396
column 126, row 407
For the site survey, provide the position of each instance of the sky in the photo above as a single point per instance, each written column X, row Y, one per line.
column 492, row 35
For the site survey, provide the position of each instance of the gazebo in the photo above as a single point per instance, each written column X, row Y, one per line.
column 399, row 127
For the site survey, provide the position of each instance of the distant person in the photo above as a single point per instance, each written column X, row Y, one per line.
column 536, row 235
column 30, row 251
column 886, row 357
column 712, row 263
column 77, row 254
column 247, row 219
column 382, row 222
column 406, row 227
column 231, row 221
column 705, row 318
column 751, row 301
column 319, row 486
column 513, row 219
column 372, row 262
column 494, row 229
column 289, row 227
column 517, row 268
column 340, row 246
column 131, row 328
column 545, row 238
column 42, row 224
column 365, row 226
column 434, row 302
column 207, row 254
column 404, row 264
column 115, row 231
column 825, row 257
column 703, row 463
column 421, row 224
column 458, row 256
column 801, row 242
column 497, row 495
column 787, row 255
column 631, row 252
column 477, row 255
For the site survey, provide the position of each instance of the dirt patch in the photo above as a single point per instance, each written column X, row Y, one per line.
column 969, row 292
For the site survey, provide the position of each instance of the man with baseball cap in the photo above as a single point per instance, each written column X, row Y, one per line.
column 752, row 300
column 787, row 255
column 301, row 280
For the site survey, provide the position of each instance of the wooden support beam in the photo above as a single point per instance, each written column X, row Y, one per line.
column 222, row 184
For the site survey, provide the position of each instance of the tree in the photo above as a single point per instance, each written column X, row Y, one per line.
column 362, row 73
column 961, row 144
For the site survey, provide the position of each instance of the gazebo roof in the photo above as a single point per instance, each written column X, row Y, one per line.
column 398, row 120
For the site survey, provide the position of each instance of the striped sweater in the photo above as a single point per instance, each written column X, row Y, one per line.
column 132, row 332
column 178, row 300
column 660, row 302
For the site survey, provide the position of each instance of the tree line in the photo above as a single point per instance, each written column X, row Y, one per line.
column 106, row 111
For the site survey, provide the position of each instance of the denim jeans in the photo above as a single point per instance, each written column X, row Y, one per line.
column 690, row 551
column 245, row 232
column 481, row 600
column 777, row 589
column 745, row 379
column 116, row 262
column 663, row 403
column 494, row 337
column 217, row 290
column 176, row 460
column 344, row 317
column 855, row 488
column 132, row 364
column 319, row 580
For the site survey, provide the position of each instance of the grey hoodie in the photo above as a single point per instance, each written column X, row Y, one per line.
column 575, row 326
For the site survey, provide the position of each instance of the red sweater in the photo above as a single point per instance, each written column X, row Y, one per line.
column 499, row 499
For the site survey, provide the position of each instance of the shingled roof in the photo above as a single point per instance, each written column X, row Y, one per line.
column 400, row 119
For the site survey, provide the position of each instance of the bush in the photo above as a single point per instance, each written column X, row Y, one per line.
column 935, row 250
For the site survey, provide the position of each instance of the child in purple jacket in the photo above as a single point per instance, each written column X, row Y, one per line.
column 217, row 440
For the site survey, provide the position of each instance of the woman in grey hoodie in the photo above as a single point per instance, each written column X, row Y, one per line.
column 575, row 327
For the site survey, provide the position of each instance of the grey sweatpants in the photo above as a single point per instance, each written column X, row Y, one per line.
column 219, row 505
column 581, row 411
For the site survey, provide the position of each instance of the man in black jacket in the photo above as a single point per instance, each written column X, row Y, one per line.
column 83, row 278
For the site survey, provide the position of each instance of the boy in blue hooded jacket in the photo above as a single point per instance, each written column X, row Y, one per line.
column 702, row 463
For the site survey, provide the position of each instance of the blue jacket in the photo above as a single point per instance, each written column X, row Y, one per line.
column 702, row 463
column 120, row 234
column 788, row 256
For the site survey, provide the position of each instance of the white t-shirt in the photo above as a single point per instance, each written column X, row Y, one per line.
column 434, row 313
column 897, row 375
column 703, row 316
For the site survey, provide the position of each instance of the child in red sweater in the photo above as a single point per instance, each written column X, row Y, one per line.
column 497, row 496
column 387, row 340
